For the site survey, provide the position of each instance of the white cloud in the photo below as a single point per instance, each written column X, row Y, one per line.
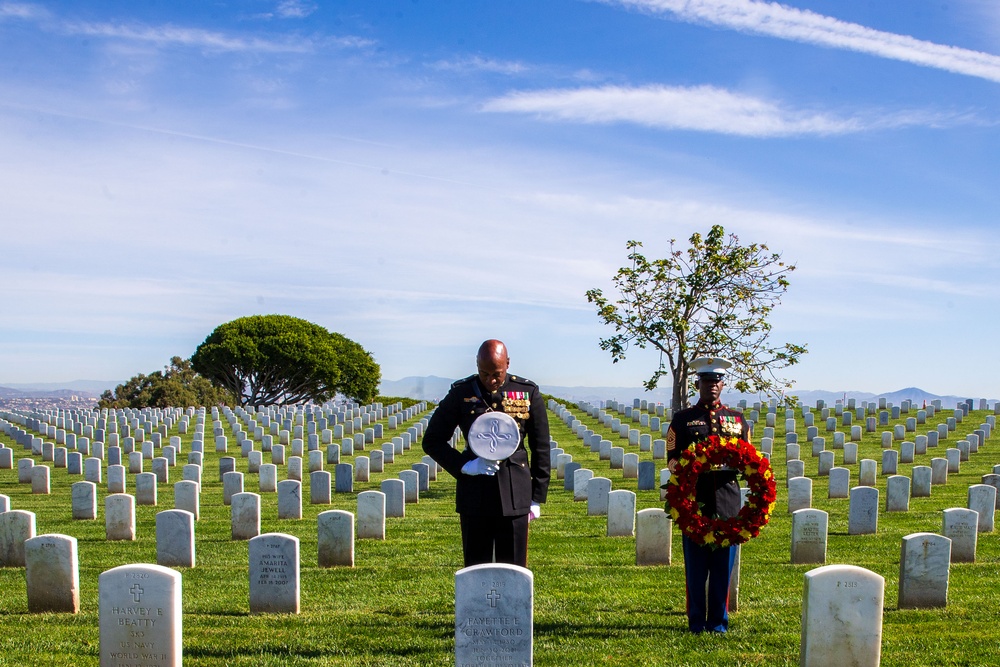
column 180, row 36
column 699, row 108
column 21, row 10
column 295, row 9
column 479, row 64
column 801, row 25
column 289, row 9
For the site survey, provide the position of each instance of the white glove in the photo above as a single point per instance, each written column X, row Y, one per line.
column 480, row 466
column 535, row 511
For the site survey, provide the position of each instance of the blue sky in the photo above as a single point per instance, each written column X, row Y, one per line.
column 422, row 175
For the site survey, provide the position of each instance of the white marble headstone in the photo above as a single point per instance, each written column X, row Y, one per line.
column 245, row 516
column 52, row 571
column 84, row 498
column 863, row 512
column 653, row 529
column 335, row 538
column 983, row 499
column 959, row 525
column 274, row 574
column 494, row 624
column 841, row 617
column 924, row 565
column 799, row 493
column 371, row 515
column 598, row 489
column 621, row 513
column 119, row 517
column 175, row 538
column 140, row 616
column 289, row 499
column 809, row 536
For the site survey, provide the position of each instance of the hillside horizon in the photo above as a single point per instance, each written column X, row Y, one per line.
column 433, row 388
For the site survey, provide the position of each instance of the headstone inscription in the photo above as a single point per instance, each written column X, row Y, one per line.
column 494, row 605
column 959, row 525
column 274, row 574
column 140, row 616
column 809, row 536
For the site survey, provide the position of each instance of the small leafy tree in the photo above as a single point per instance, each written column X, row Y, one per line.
column 713, row 299
column 266, row 359
column 176, row 385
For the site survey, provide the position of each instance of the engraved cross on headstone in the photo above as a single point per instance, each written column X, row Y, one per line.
column 493, row 596
column 136, row 592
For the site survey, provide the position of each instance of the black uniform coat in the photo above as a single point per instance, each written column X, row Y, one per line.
column 718, row 492
column 518, row 483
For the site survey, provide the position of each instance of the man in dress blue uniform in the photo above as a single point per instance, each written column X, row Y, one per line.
column 717, row 493
column 495, row 499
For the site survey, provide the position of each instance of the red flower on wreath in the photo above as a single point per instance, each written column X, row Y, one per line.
column 739, row 455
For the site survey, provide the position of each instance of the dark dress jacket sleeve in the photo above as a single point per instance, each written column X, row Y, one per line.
column 445, row 419
column 537, row 435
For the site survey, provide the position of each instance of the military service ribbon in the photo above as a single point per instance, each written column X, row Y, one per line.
column 516, row 404
column 731, row 425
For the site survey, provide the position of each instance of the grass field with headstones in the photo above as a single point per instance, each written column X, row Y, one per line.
column 593, row 605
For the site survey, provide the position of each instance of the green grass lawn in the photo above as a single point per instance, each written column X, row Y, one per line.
column 593, row 606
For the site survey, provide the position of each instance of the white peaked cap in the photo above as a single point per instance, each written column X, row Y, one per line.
column 716, row 365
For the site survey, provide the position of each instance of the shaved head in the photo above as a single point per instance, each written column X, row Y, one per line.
column 491, row 349
column 492, row 362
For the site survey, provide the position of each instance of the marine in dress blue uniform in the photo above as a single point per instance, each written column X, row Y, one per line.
column 494, row 500
column 717, row 492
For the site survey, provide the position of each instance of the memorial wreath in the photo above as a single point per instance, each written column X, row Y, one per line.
column 736, row 454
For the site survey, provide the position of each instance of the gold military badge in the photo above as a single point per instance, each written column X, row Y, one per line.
column 517, row 404
column 731, row 425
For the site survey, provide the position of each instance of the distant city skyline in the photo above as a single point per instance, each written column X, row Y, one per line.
column 423, row 176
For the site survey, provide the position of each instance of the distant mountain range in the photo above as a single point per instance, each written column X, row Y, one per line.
column 434, row 388
column 83, row 388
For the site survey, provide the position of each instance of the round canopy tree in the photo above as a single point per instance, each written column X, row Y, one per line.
column 268, row 359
